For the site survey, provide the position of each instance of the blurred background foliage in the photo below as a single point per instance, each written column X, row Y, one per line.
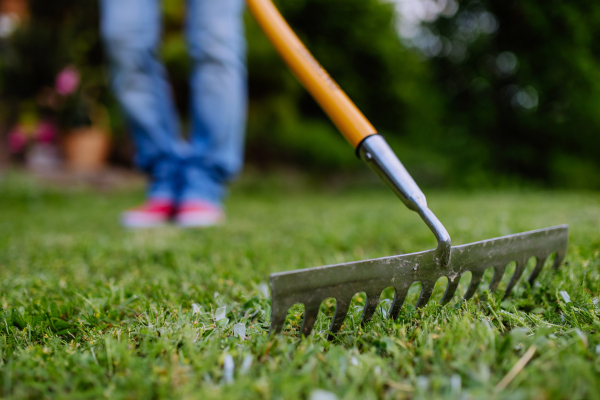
column 475, row 93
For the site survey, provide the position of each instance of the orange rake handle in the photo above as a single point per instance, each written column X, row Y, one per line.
column 343, row 112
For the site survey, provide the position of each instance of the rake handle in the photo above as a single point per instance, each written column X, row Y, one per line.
column 351, row 122
column 336, row 104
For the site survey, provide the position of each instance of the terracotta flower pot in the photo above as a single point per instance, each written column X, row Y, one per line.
column 16, row 7
column 86, row 148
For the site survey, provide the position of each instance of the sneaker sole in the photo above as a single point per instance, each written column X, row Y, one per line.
column 200, row 222
column 143, row 224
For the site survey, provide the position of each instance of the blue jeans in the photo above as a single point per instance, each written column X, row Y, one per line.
column 181, row 170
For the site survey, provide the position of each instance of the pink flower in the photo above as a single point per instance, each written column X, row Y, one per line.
column 67, row 81
column 17, row 139
column 46, row 132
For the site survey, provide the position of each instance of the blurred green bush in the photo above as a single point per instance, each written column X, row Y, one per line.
column 530, row 92
column 519, row 106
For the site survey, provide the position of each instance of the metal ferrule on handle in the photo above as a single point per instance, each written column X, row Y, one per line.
column 378, row 155
column 336, row 104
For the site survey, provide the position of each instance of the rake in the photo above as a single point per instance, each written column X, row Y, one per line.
column 342, row 281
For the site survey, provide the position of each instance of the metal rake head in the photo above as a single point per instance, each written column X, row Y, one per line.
column 342, row 281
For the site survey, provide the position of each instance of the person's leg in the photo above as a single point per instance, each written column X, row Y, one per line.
column 217, row 47
column 131, row 33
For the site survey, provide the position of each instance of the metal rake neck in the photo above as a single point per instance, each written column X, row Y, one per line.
column 378, row 155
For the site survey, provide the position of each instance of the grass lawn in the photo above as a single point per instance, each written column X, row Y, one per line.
column 89, row 310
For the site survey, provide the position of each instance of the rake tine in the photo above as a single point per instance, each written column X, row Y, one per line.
column 425, row 295
column 399, row 298
column 539, row 265
column 370, row 307
column 278, row 314
column 475, row 281
column 450, row 290
column 311, row 311
column 498, row 274
column 341, row 310
column 277, row 323
column 560, row 256
column 516, row 276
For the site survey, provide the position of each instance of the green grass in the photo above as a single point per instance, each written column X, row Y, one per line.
column 88, row 310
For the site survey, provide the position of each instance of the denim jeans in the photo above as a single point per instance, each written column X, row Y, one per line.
column 198, row 168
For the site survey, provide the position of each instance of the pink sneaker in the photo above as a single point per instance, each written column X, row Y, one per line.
column 198, row 213
column 151, row 214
